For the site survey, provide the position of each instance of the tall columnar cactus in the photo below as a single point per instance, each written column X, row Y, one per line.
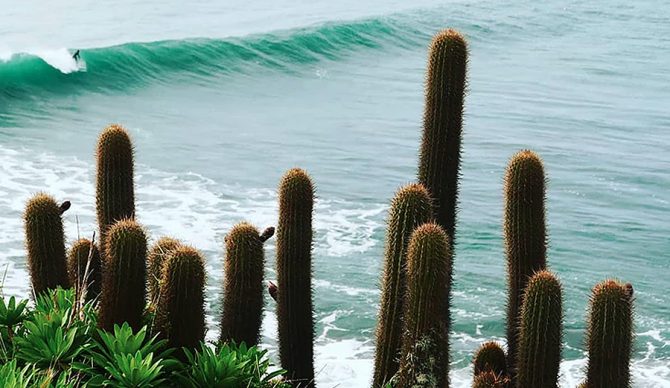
column 539, row 352
column 181, row 314
column 610, row 335
column 115, row 192
column 243, row 285
column 429, row 269
column 525, row 236
column 45, row 243
column 440, row 155
column 294, row 275
column 85, row 267
column 155, row 261
column 411, row 207
column 123, row 295
column 490, row 357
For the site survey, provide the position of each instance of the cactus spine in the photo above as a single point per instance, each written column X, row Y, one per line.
column 294, row 275
column 539, row 355
column 155, row 262
column 440, row 155
column 181, row 315
column 525, row 236
column 124, row 276
column 115, row 197
column 490, row 357
column 45, row 243
column 411, row 207
column 429, row 269
column 610, row 335
column 84, row 267
column 243, row 285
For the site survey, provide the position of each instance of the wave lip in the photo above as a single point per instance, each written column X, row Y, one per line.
column 137, row 63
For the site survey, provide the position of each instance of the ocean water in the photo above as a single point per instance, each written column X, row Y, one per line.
column 222, row 97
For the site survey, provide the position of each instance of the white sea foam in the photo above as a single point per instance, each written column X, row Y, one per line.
column 60, row 59
column 189, row 206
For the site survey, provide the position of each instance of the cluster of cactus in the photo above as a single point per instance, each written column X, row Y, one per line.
column 534, row 304
column 412, row 335
column 133, row 284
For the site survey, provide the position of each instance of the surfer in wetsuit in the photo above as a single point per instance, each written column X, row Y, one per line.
column 76, row 55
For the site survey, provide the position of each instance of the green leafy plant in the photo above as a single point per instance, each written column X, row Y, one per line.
column 57, row 332
column 50, row 379
column 13, row 376
column 230, row 366
column 125, row 359
column 11, row 315
column 132, row 370
column 51, row 343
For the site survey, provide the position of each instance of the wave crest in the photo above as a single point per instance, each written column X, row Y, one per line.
column 134, row 64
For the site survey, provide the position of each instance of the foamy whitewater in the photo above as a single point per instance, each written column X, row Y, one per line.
column 221, row 99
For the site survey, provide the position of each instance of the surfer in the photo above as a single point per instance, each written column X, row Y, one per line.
column 76, row 56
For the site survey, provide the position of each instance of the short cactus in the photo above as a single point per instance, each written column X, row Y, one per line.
column 539, row 356
column 490, row 357
column 115, row 191
column 243, row 285
column 610, row 335
column 294, row 275
column 525, row 236
column 180, row 317
column 45, row 243
column 429, row 269
column 85, row 267
column 411, row 207
column 123, row 295
column 155, row 261
column 440, row 155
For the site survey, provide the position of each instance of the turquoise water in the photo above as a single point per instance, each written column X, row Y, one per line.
column 222, row 98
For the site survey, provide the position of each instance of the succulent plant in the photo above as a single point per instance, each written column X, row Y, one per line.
column 123, row 295
column 429, row 269
column 180, row 317
column 421, row 365
column 440, row 155
column 410, row 208
column 525, row 236
column 155, row 261
column 243, row 286
column 85, row 267
column 490, row 357
column 294, row 276
column 610, row 335
column 45, row 243
column 540, row 333
column 490, row 379
column 115, row 190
